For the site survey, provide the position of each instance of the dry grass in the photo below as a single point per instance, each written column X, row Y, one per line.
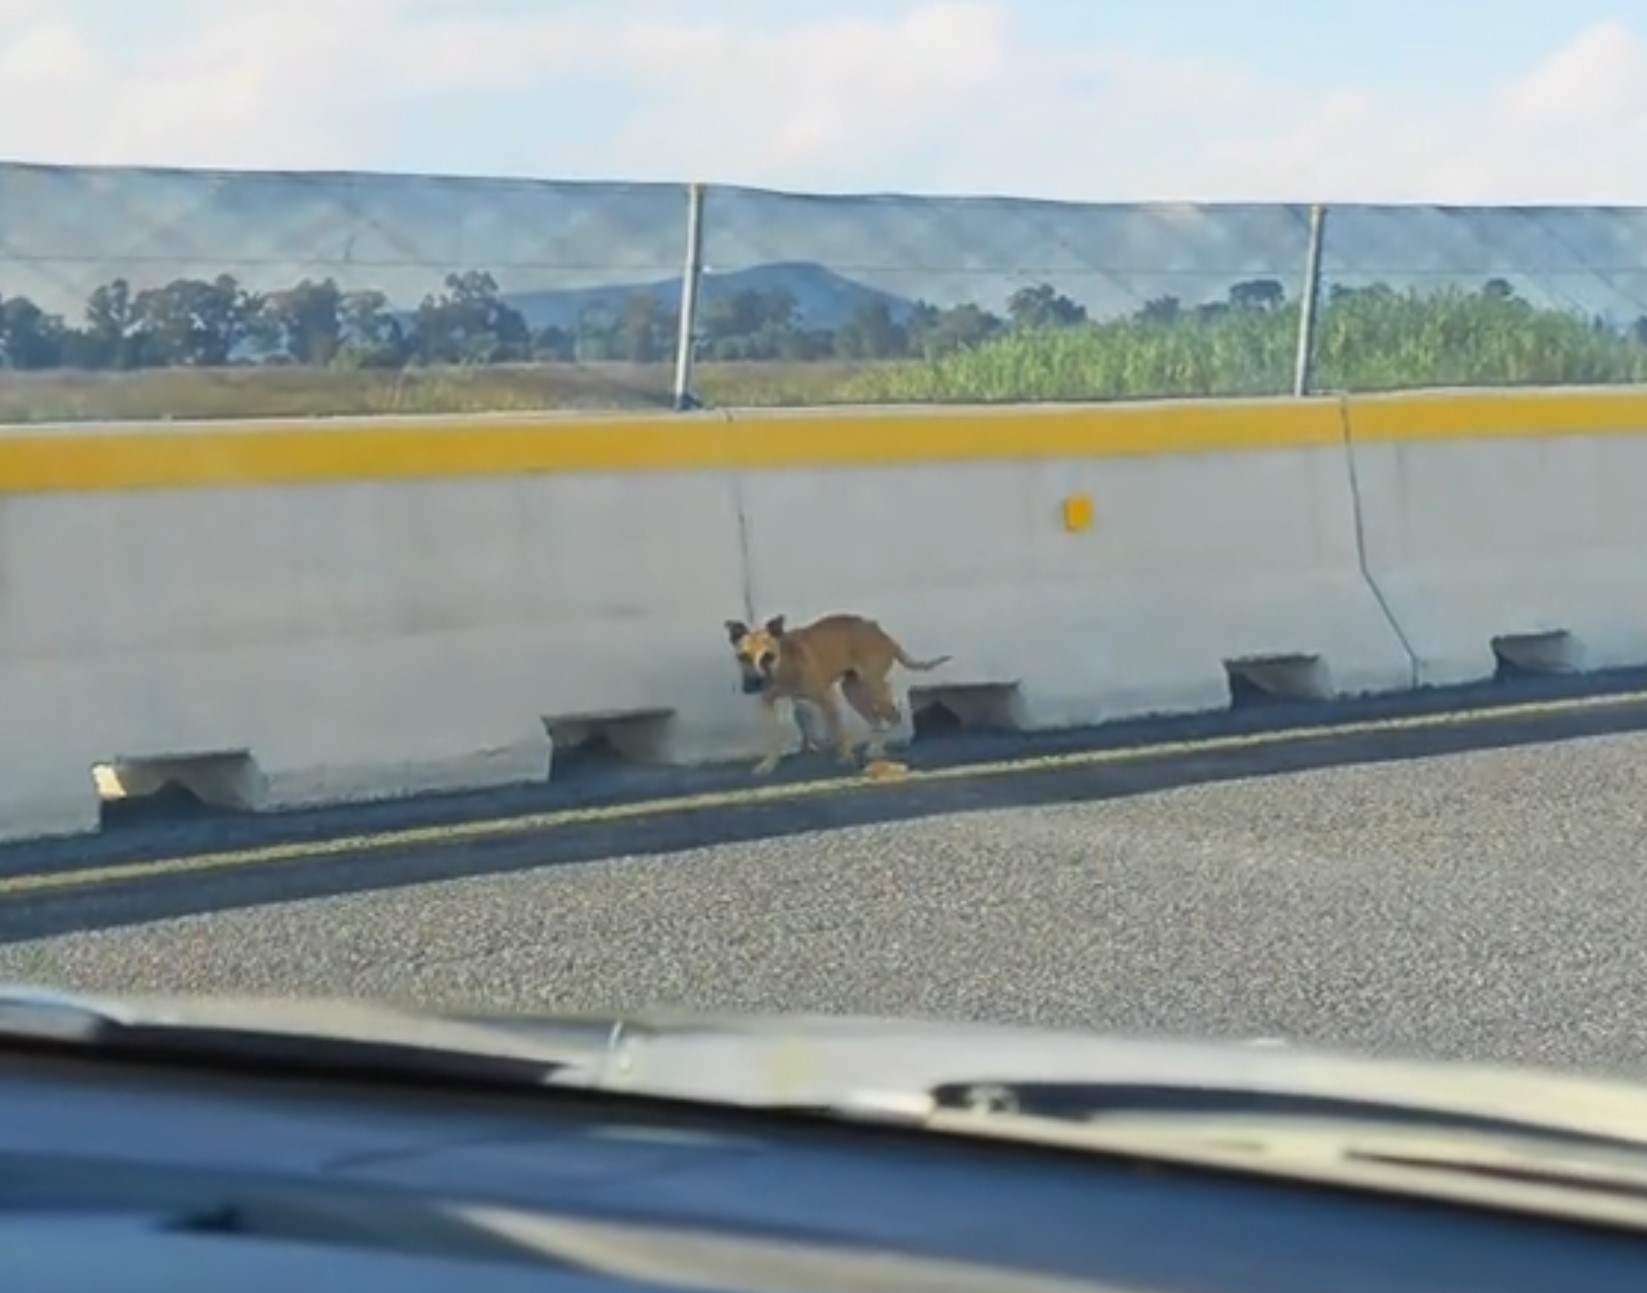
column 72, row 396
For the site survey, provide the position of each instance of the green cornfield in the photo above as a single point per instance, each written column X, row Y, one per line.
column 1379, row 340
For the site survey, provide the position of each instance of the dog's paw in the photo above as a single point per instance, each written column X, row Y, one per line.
column 766, row 767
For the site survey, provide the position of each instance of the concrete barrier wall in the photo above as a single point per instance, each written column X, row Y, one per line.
column 305, row 612
column 1239, row 543
column 1516, row 519
column 241, row 594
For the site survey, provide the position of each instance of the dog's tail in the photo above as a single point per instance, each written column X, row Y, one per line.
column 920, row 666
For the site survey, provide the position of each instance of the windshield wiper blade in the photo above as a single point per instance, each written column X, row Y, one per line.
column 1389, row 1133
column 1095, row 1101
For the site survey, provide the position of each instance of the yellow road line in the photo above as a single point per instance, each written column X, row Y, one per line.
column 532, row 823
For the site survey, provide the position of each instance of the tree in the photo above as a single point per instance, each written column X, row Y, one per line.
column 933, row 332
column 646, row 329
column 636, row 328
column 1258, row 294
column 191, row 323
column 596, row 338
column 554, row 345
column 371, row 336
column 753, row 325
column 468, row 324
column 870, row 332
column 1043, row 306
column 303, row 323
column 1161, row 311
column 113, row 335
column 29, row 337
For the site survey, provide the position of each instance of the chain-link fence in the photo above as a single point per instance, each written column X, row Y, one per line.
column 162, row 293
column 148, row 293
column 1494, row 296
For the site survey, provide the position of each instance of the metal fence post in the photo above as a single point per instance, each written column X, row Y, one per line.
column 1303, row 371
column 691, row 281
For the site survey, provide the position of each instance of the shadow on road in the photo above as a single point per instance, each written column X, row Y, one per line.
column 156, row 897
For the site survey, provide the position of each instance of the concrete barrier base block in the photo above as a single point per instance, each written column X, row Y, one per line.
column 302, row 784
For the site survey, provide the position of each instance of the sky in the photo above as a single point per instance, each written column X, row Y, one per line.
column 1468, row 101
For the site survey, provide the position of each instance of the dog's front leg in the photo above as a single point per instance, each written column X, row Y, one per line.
column 803, row 721
column 777, row 735
column 838, row 736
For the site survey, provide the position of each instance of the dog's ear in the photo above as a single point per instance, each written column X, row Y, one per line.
column 736, row 630
column 774, row 626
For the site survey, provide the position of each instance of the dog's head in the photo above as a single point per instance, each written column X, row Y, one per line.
column 757, row 651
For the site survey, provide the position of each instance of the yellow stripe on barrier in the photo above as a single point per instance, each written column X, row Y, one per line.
column 870, row 437
column 72, row 459
column 75, row 460
column 220, row 455
column 1485, row 415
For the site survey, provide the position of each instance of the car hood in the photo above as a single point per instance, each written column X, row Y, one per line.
column 872, row 1065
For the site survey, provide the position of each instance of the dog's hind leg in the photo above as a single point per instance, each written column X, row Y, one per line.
column 881, row 705
column 838, row 736
column 863, row 702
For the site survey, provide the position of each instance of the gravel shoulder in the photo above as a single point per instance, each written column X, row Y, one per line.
column 1488, row 904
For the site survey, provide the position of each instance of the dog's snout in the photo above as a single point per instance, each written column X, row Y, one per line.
column 751, row 684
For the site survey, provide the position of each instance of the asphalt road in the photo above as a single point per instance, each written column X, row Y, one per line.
column 1488, row 903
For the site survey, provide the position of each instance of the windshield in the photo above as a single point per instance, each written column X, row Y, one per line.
column 934, row 567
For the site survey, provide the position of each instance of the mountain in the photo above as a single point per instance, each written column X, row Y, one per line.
column 823, row 298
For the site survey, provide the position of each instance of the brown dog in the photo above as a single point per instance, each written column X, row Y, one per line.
column 804, row 664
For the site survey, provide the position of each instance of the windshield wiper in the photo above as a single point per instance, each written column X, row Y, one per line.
column 1283, row 1124
column 1094, row 1102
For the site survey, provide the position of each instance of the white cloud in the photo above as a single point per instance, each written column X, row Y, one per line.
column 1599, row 79
column 943, row 95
